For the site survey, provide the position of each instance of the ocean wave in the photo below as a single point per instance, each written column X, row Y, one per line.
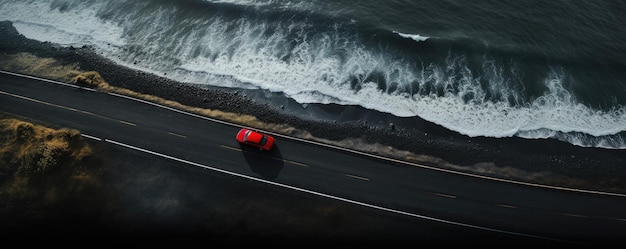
column 316, row 59
column 71, row 27
column 612, row 141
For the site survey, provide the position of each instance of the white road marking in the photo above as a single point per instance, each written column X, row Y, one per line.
column 322, row 194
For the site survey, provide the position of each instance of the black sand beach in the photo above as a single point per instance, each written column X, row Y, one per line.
column 539, row 161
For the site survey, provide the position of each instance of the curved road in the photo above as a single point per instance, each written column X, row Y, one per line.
column 421, row 192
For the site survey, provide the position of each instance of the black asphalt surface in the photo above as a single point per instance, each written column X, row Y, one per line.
column 471, row 204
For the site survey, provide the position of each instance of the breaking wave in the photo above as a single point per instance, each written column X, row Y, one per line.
column 316, row 58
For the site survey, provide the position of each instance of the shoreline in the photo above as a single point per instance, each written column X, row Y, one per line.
column 538, row 161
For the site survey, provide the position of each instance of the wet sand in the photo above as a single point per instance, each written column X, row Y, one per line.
column 540, row 161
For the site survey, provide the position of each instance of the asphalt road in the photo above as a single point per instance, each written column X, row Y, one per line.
column 466, row 201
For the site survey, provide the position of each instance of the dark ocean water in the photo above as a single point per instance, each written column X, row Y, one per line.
column 533, row 69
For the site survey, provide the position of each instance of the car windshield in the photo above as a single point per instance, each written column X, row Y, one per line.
column 263, row 140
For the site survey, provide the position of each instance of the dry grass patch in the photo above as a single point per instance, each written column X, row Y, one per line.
column 51, row 69
column 30, row 64
column 32, row 154
column 36, row 149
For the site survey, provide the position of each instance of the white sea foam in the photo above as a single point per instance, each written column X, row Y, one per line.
column 243, row 2
column 417, row 38
column 318, row 68
column 75, row 27
column 271, row 4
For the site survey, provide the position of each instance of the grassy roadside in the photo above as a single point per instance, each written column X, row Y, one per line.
column 29, row 149
column 55, row 185
column 50, row 68
column 41, row 171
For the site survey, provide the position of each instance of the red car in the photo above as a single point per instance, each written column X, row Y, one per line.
column 255, row 139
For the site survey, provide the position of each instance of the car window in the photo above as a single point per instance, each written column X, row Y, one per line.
column 263, row 140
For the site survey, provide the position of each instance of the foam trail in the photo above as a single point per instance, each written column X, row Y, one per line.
column 417, row 38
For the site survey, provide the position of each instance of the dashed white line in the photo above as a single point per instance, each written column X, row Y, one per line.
column 177, row 135
column 332, row 146
column 445, row 195
column 358, row 177
column 127, row 123
column 322, row 194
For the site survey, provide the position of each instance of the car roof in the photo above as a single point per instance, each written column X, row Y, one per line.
column 252, row 136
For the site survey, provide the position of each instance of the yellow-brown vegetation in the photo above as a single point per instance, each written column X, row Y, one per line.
column 31, row 153
column 36, row 149
column 94, row 79
column 51, row 69
column 30, row 64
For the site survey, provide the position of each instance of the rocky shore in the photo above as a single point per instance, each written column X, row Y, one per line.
column 539, row 161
